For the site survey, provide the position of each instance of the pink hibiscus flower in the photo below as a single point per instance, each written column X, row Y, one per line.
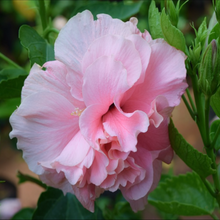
column 97, row 118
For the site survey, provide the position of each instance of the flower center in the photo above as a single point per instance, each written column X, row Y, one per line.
column 77, row 112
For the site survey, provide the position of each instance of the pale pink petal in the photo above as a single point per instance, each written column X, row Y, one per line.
column 43, row 125
column 74, row 152
column 74, row 40
column 104, row 79
column 125, row 127
column 119, row 49
column 52, row 79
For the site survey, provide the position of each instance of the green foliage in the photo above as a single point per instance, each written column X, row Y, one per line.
column 118, row 209
column 8, row 106
column 183, row 195
column 52, row 204
column 39, row 51
column 171, row 34
column 213, row 129
column 11, row 83
column 121, row 10
column 24, row 214
column 154, row 21
column 215, row 103
column 197, row 161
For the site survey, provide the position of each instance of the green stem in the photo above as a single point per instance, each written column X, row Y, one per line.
column 211, row 154
column 208, row 186
column 29, row 178
column 214, row 216
column 48, row 30
column 199, row 99
column 9, row 61
column 215, row 138
column 188, row 107
column 203, row 125
column 207, row 107
column 191, row 100
column 42, row 12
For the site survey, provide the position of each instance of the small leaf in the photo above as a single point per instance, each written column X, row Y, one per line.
column 184, row 195
column 172, row 35
column 23, row 214
column 215, row 33
column 52, row 204
column 11, row 83
column 39, row 51
column 213, row 129
column 215, row 102
column 197, row 161
column 119, row 10
column 154, row 21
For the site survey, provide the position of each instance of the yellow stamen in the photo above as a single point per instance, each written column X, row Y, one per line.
column 77, row 112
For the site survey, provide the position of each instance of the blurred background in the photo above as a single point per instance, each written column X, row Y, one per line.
column 15, row 13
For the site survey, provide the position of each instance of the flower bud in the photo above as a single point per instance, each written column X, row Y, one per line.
column 209, row 72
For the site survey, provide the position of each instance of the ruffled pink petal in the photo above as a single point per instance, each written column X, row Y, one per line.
column 75, row 38
column 139, row 204
column 87, row 195
column 90, row 123
column 141, row 187
column 103, row 80
column 165, row 76
column 98, row 172
column 56, row 180
column 157, row 139
column 125, row 127
column 144, row 51
column 119, row 49
column 43, row 125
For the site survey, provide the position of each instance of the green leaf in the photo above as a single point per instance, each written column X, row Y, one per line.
column 52, row 204
column 183, row 195
column 213, row 129
column 172, row 35
column 197, row 161
column 215, row 102
column 11, row 83
column 23, row 214
column 7, row 107
column 121, row 10
column 8, row 74
column 39, row 51
column 154, row 21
